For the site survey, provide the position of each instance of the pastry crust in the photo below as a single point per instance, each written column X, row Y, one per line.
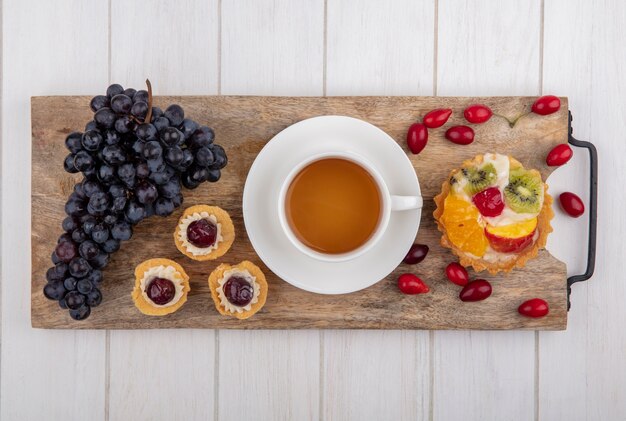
column 254, row 270
column 146, row 307
column 543, row 226
column 227, row 231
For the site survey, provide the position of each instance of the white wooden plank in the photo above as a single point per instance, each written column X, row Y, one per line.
column 378, row 48
column 268, row 375
column 376, row 375
column 270, row 48
column 162, row 375
column 567, row 50
column 483, row 376
column 485, row 49
column 172, row 43
column 45, row 374
column 606, row 338
column 178, row 51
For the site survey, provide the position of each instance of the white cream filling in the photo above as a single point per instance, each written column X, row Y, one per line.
column 165, row 272
column 182, row 233
column 502, row 164
column 230, row 307
column 507, row 217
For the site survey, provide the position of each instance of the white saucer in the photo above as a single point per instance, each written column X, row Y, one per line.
column 275, row 161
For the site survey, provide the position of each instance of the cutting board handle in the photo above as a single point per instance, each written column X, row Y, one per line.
column 593, row 210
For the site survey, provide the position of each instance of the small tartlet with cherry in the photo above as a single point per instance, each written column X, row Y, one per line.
column 202, row 233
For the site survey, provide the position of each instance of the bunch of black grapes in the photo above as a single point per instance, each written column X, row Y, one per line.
column 134, row 159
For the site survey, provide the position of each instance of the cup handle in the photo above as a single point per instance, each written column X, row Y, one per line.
column 399, row 203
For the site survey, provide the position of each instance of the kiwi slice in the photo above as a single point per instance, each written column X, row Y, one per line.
column 478, row 179
column 524, row 192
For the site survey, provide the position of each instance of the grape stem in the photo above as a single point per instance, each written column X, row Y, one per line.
column 149, row 114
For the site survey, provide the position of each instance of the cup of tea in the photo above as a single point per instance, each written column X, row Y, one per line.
column 336, row 206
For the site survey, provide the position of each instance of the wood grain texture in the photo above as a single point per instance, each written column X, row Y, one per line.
column 183, row 60
column 568, row 39
column 378, row 374
column 231, row 117
column 487, row 50
column 44, row 375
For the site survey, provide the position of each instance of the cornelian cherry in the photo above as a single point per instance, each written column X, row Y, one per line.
column 477, row 290
column 572, row 204
column 417, row 137
column 437, row 118
column 411, row 284
column 535, row 307
column 416, row 254
column 559, row 155
column 457, row 274
column 461, row 135
column 546, row 104
column 489, row 202
column 477, row 113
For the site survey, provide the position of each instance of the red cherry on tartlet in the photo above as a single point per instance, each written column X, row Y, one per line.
column 489, row 202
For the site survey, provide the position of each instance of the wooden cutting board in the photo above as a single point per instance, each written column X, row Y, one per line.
column 243, row 125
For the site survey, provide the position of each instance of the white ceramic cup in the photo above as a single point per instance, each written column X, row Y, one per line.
column 389, row 204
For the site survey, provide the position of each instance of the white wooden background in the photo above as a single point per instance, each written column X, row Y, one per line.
column 318, row 47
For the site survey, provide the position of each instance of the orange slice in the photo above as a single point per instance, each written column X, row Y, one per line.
column 460, row 218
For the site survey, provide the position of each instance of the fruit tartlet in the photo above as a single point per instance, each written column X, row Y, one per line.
column 238, row 291
column 161, row 287
column 493, row 213
column 204, row 232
